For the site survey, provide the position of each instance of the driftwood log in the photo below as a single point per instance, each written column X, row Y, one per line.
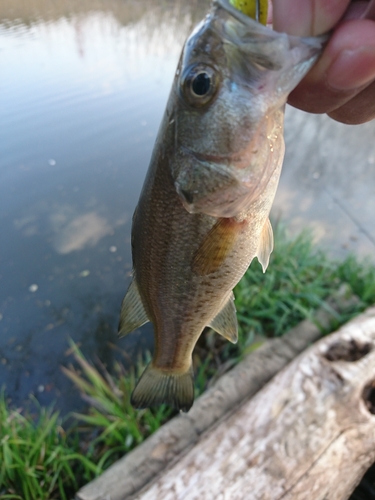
column 129, row 475
column 308, row 434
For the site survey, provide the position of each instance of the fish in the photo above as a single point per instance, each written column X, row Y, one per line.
column 203, row 212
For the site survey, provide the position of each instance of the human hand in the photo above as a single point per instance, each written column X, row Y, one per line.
column 342, row 82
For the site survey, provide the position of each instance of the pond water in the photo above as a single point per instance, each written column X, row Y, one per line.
column 82, row 90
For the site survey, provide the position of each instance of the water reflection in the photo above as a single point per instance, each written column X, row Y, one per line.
column 28, row 12
column 83, row 230
column 82, row 90
column 328, row 182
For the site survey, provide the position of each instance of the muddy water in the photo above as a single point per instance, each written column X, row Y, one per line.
column 83, row 86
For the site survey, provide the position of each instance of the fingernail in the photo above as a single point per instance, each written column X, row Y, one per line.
column 352, row 69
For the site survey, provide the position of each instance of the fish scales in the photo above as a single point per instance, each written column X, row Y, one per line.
column 203, row 211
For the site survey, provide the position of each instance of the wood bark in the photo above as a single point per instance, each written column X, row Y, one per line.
column 308, row 434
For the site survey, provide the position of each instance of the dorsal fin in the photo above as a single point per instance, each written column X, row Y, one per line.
column 216, row 245
column 225, row 322
column 133, row 314
column 265, row 246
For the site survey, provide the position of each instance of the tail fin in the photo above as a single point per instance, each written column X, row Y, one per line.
column 156, row 387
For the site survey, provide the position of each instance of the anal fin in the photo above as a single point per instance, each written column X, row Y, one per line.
column 265, row 246
column 225, row 322
column 157, row 386
column 133, row 314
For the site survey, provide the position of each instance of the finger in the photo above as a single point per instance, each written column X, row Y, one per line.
column 307, row 17
column 358, row 110
column 346, row 67
column 370, row 11
column 359, row 9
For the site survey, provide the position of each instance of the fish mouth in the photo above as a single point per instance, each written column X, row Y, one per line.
column 208, row 184
column 213, row 158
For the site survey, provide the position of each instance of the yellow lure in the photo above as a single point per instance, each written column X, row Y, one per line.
column 248, row 7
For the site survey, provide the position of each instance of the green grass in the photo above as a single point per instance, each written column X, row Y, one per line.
column 37, row 458
column 111, row 426
column 40, row 460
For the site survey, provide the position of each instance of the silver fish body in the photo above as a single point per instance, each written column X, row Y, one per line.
column 203, row 211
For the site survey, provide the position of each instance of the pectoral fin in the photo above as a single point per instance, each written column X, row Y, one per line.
column 216, row 246
column 225, row 323
column 265, row 245
column 133, row 314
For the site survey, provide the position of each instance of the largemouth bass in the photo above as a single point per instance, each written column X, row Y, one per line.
column 203, row 211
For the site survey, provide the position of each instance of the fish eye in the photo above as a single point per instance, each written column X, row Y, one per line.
column 199, row 84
